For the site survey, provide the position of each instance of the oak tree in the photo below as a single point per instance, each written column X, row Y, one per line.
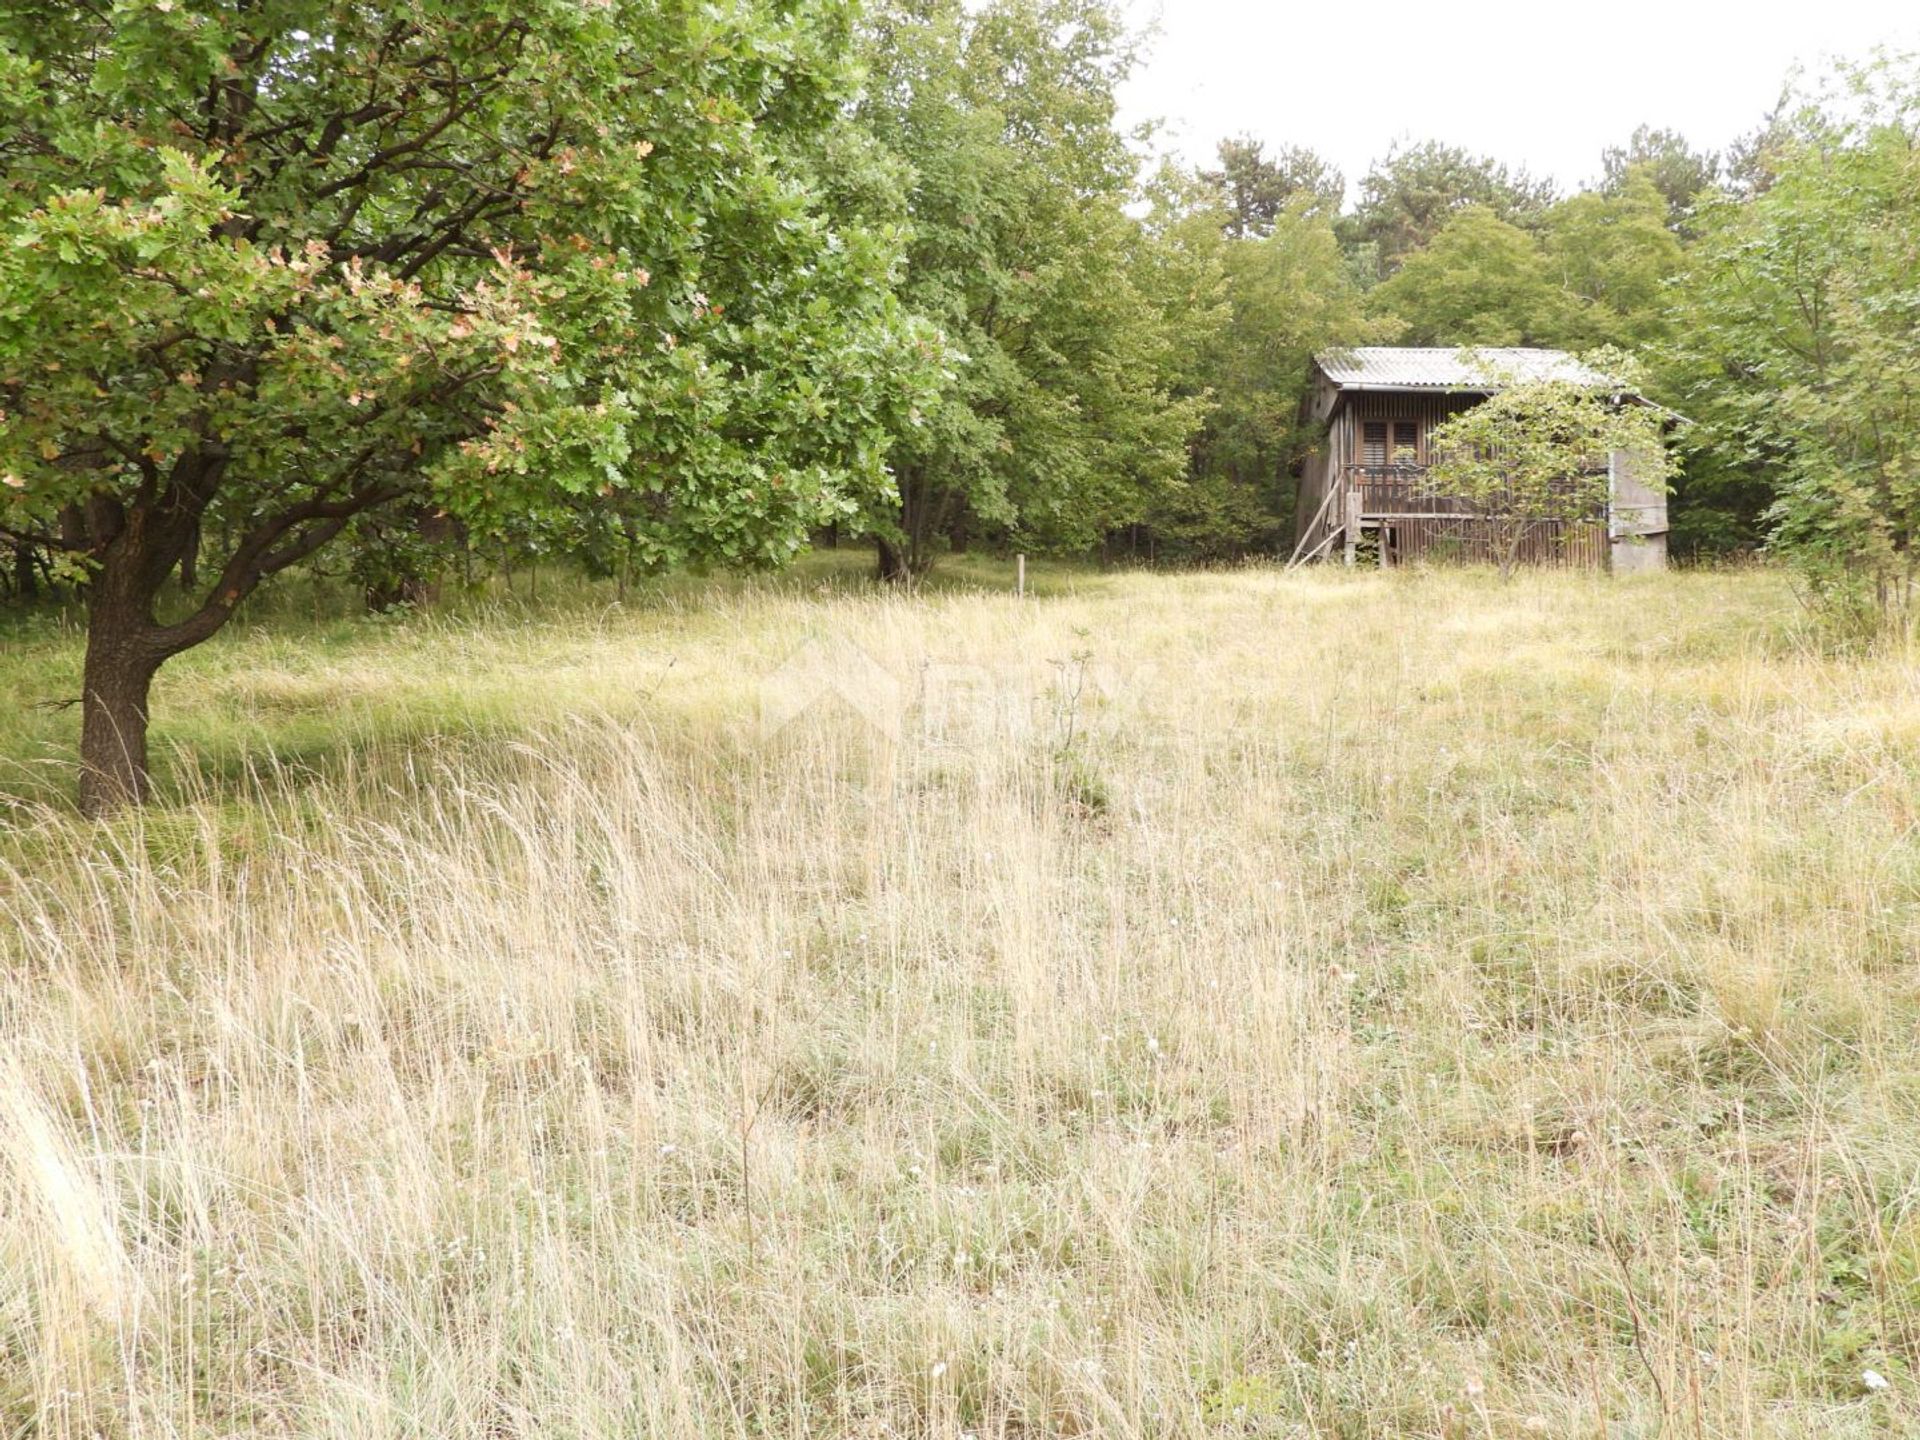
column 268, row 267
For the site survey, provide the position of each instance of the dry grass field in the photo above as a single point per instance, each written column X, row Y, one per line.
column 1225, row 1005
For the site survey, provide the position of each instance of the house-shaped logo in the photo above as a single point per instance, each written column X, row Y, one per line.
column 823, row 671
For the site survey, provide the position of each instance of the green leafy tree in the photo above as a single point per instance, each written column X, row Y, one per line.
column 1795, row 343
column 1286, row 294
column 268, row 268
column 1663, row 158
column 1537, row 452
column 1409, row 197
column 1060, row 412
column 1613, row 257
column 1255, row 187
column 1750, row 162
column 1482, row 281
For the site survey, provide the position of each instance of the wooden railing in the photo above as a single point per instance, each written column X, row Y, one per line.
column 1407, row 489
column 1400, row 501
column 1400, row 490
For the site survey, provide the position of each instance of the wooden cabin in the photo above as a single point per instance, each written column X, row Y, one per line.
column 1363, row 491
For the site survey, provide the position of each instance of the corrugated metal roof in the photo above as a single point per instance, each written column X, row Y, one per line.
column 1394, row 367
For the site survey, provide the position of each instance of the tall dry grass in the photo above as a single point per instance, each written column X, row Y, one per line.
column 1230, row 1005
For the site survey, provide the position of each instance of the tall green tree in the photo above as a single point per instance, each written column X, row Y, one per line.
column 1482, row 281
column 1406, row 199
column 1254, row 187
column 1612, row 254
column 1060, row 412
column 1593, row 270
column 1664, row 159
column 266, row 268
column 1285, row 294
column 1796, row 348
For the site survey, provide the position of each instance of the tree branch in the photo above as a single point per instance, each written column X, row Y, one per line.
column 266, row 551
column 41, row 540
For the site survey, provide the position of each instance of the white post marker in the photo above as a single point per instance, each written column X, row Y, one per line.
column 1020, row 574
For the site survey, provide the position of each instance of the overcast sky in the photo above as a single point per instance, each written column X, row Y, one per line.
column 1545, row 85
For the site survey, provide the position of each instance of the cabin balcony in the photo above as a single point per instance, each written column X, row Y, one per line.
column 1406, row 489
column 1403, row 488
column 1393, row 513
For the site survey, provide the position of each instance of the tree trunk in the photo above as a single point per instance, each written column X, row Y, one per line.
column 893, row 566
column 117, row 678
column 137, row 548
column 190, row 559
column 415, row 590
column 24, row 583
column 1510, row 553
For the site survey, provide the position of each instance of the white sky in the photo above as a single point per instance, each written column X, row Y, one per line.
column 1546, row 85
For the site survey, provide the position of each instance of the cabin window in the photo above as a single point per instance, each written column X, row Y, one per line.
column 1373, row 442
column 1386, row 442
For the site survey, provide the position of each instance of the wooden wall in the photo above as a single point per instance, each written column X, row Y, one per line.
column 1344, row 415
column 1637, row 516
column 1468, row 540
column 1427, row 410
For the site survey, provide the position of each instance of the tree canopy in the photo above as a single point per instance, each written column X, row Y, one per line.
column 1255, row 187
column 268, row 268
column 1482, row 281
column 1663, row 158
column 1059, row 413
column 1408, row 197
column 1795, row 343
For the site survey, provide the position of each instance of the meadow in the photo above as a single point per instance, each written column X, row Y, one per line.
column 1231, row 1004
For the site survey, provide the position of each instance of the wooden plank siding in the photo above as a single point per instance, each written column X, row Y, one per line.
column 1426, row 410
column 1469, row 540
